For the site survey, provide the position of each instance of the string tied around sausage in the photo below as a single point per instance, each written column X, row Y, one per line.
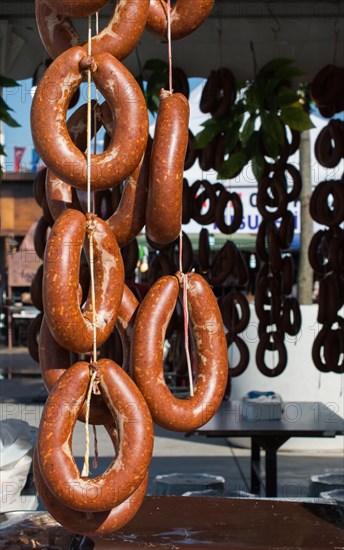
column 184, row 282
column 95, row 377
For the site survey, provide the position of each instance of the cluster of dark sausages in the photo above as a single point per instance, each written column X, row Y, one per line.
column 326, row 252
column 326, row 90
column 128, row 398
column 278, row 312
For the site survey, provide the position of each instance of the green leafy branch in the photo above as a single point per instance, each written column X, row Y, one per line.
column 155, row 73
column 255, row 128
column 5, row 110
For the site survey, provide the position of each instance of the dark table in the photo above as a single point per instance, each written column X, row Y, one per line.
column 202, row 522
column 299, row 419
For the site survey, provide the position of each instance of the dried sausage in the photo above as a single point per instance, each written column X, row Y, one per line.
column 186, row 16
column 164, row 201
column 72, row 328
column 134, row 424
column 210, row 342
column 118, row 38
column 128, row 108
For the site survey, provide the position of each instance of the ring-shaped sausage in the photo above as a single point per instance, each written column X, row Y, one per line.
column 204, row 251
column 197, row 202
column 135, row 429
column 261, row 240
column 236, row 219
column 128, row 107
column 225, row 93
column 223, row 264
column 291, row 316
column 33, row 336
column 209, row 93
column 268, row 294
column 286, row 230
column 329, row 146
column 40, row 236
column 287, row 272
column 244, row 354
column 231, row 302
column 330, row 299
column 39, row 186
column 71, row 327
column 54, row 359
column 89, row 523
column 279, row 348
column 185, row 17
column 267, row 328
column 76, row 8
column 316, row 253
column 118, row 38
column 319, row 206
column 210, row 345
column 36, row 289
column 317, row 348
column 60, row 195
column 279, row 195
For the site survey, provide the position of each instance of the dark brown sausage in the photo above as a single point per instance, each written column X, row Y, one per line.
column 164, row 201
column 147, row 353
column 134, row 424
column 71, row 327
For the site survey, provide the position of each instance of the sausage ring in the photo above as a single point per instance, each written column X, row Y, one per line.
column 133, row 422
column 72, row 328
column 197, row 202
column 280, row 198
column 236, row 219
column 186, row 16
column 244, row 353
column 89, row 523
column 291, row 316
column 147, row 353
column 279, row 347
column 51, row 137
column 76, row 8
column 118, row 38
column 229, row 305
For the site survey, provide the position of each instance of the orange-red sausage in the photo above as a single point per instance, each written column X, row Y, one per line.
column 71, row 327
column 135, row 429
column 118, row 38
column 147, row 353
column 128, row 108
column 186, row 16
column 89, row 523
column 165, row 191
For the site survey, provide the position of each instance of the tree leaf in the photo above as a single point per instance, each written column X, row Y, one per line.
column 275, row 64
column 232, row 136
column 270, row 144
column 205, row 136
column 156, row 65
column 258, row 166
column 233, row 165
column 296, row 118
column 286, row 98
column 248, row 129
column 7, row 82
column 7, row 119
column 271, row 125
